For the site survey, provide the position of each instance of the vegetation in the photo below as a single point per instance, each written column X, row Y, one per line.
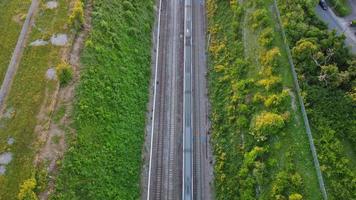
column 258, row 135
column 341, row 7
column 13, row 14
column 353, row 23
column 104, row 159
column 28, row 93
column 326, row 70
column 64, row 73
column 76, row 18
column 26, row 190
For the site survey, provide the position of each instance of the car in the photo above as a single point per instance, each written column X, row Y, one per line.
column 323, row 4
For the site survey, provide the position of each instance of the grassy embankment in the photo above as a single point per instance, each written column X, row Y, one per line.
column 27, row 94
column 259, row 138
column 13, row 13
column 104, row 159
column 341, row 7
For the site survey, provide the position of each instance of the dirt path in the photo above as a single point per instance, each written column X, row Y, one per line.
column 54, row 134
column 17, row 54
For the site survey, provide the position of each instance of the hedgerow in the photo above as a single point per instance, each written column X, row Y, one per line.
column 104, row 158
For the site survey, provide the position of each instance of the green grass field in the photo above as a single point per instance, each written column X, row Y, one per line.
column 288, row 151
column 26, row 97
column 13, row 13
column 104, row 160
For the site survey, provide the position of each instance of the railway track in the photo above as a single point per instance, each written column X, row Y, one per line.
column 179, row 162
column 202, row 169
column 164, row 178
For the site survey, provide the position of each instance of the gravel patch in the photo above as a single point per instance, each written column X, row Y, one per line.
column 10, row 141
column 5, row 158
column 10, row 112
column 2, row 170
column 59, row 39
column 51, row 74
column 38, row 42
column 52, row 4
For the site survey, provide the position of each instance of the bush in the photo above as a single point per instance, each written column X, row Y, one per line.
column 266, row 38
column 270, row 82
column 76, row 18
column 295, row 196
column 271, row 57
column 266, row 123
column 41, row 177
column 259, row 18
column 64, row 73
column 26, row 190
column 276, row 100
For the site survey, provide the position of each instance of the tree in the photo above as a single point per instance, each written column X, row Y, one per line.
column 330, row 76
column 306, row 54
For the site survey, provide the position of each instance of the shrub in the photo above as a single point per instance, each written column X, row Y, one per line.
column 76, row 18
column 41, row 177
column 266, row 123
column 26, row 190
column 270, row 57
column 64, row 73
column 270, row 82
column 266, row 37
column 295, row 196
column 275, row 100
column 259, row 18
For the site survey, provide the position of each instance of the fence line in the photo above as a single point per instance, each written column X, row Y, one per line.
column 301, row 102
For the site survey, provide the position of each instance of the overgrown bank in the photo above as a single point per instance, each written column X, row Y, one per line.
column 104, row 159
column 259, row 139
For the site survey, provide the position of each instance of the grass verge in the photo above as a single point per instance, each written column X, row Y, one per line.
column 28, row 92
column 104, row 159
column 13, row 14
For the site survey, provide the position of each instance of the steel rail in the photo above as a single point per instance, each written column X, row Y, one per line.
column 154, row 97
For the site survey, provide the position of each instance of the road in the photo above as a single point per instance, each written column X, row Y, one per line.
column 179, row 161
column 341, row 25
